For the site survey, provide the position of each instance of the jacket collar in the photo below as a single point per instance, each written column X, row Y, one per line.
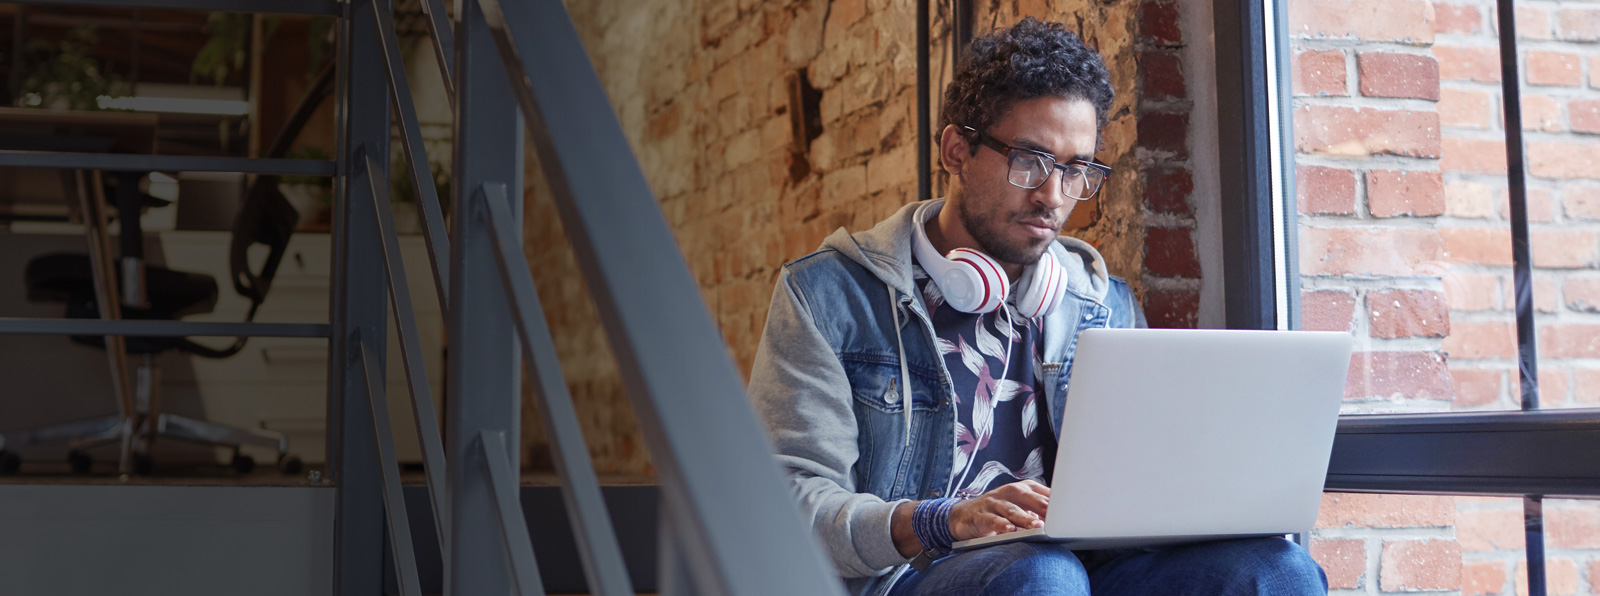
column 885, row 250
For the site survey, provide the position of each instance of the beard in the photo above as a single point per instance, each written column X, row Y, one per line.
column 991, row 228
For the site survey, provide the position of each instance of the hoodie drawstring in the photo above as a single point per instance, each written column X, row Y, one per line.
column 905, row 372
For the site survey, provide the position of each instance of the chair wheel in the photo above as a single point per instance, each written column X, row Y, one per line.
column 143, row 464
column 289, row 464
column 79, row 461
column 243, row 464
column 10, row 463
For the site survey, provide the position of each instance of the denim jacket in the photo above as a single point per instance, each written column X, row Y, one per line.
column 826, row 382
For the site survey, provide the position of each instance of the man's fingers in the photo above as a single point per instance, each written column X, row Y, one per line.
column 998, row 524
column 1018, row 516
column 1036, row 487
column 1033, row 503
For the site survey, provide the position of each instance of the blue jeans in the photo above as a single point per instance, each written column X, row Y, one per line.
column 1248, row 567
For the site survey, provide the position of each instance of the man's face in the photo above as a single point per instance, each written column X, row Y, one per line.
column 1015, row 225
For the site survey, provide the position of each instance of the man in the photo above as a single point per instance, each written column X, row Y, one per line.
column 914, row 399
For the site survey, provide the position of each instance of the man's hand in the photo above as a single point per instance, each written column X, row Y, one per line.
column 1015, row 506
column 1019, row 505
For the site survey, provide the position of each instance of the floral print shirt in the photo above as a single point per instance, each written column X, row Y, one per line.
column 998, row 397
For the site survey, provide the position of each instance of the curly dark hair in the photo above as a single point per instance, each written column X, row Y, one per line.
column 1031, row 59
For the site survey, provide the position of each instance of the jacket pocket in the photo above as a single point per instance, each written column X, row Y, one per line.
column 876, row 384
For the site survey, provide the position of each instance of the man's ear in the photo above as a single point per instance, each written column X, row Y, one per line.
column 954, row 150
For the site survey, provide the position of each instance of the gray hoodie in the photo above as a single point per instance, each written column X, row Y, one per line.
column 838, row 348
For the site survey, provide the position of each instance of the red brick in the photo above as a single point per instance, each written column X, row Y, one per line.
column 1168, row 190
column 1553, row 68
column 1344, row 561
column 1407, row 21
column 1170, row 252
column 1409, row 565
column 1573, row 340
column 1473, row 156
column 1481, row 339
column 1462, row 19
column 1158, row 23
column 1369, row 251
column 1594, row 72
column 1586, row 388
column 1330, row 191
column 1470, row 63
column 1465, row 198
column 1584, row 114
column 1172, row 309
column 1560, row 577
column 1554, row 384
column 1581, row 201
column 1398, row 375
column 1483, row 578
column 1541, row 207
column 1540, row 112
column 1407, row 313
column 1319, row 73
column 1476, row 387
column 1465, row 108
column 1471, row 291
column 1532, row 22
column 1490, row 529
column 1162, row 73
column 1327, row 310
column 1165, row 132
column 1361, row 510
column 1556, row 159
column 1477, row 246
column 1582, row 294
column 1563, row 249
column 1573, row 527
column 1357, row 132
column 1394, row 192
column 1387, row 74
column 1578, row 24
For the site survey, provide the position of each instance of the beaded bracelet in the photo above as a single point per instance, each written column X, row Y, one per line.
column 930, row 521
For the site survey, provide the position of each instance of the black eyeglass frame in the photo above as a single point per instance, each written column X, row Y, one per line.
column 1011, row 153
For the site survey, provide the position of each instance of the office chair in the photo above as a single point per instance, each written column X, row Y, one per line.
column 266, row 218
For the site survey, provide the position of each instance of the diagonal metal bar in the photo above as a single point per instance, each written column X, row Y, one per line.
column 508, row 509
column 591, row 525
column 405, row 557
column 433, row 229
column 405, row 321
column 442, row 34
column 1522, row 274
column 105, row 288
column 726, row 485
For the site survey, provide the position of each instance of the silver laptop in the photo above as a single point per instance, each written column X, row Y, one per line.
column 1174, row 436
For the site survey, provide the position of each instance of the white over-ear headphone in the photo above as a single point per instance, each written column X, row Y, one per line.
column 973, row 282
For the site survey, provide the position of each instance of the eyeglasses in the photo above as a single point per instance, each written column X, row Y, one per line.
column 1030, row 169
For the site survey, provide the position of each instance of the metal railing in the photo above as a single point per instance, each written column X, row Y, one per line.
column 722, row 489
column 505, row 65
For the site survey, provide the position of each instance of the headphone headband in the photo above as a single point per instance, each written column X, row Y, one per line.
column 974, row 282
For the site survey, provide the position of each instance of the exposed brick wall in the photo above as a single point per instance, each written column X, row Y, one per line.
column 1171, row 264
column 764, row 126
column 1401, row 185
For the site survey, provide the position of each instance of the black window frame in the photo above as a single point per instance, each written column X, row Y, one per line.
column 1531, row 453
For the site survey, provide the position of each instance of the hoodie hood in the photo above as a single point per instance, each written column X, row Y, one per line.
column 885, row 250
